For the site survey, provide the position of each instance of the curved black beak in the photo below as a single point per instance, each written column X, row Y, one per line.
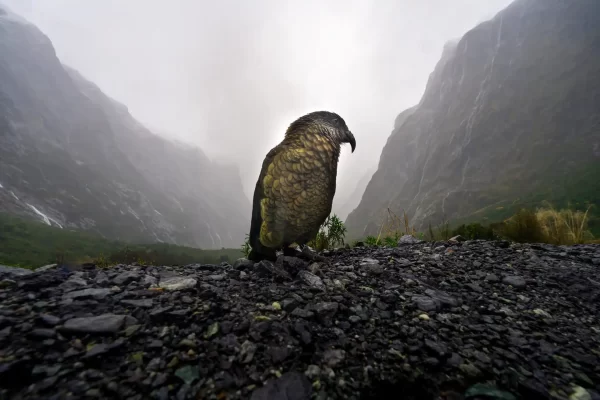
column 350, row 139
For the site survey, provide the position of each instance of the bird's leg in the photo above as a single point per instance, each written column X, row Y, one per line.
column 291, row 252
column 305, row 254
column 266, row 254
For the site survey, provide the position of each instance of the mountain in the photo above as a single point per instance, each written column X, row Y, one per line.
column 343, row 205
column 510, row 116
column 75, row 158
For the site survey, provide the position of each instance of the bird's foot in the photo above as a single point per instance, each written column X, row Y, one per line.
column 258, row 257
column 305, row 254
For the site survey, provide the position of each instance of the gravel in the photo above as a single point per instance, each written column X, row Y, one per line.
column 448, row 320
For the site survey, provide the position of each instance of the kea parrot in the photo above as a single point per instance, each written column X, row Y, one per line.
column 294, row 191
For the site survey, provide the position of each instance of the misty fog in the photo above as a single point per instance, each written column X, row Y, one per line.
column 230, row 76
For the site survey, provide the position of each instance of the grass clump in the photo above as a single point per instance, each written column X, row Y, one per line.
column 548, row 225
column 542, row 225
column 331, row 233
column 475, row 231
column 246, row 246
column 391, row 229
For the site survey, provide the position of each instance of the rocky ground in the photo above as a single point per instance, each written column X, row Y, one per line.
column 421, row 321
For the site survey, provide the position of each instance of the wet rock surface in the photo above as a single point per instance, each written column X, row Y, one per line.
column 421, row 321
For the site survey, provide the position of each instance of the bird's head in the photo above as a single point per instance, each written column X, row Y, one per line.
column 325, row 123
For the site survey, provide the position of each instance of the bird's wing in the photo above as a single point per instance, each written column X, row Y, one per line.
column 256, row 222
column 281, row 194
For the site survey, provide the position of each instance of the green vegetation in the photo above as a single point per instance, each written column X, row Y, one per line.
column 332, row 232
column 31, row 244
column 475, row 231
column 246, row 246
column 577, row 190
column 390, row 231
column 545, row 224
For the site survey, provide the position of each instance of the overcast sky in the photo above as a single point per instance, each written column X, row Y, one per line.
column 229, row 76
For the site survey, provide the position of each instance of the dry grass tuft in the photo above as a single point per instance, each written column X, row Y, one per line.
column 564, row 226
column 548, row 225
column 393, row 227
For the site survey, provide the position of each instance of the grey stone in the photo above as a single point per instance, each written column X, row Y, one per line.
column 102, row 279
column 515, row 281
column 475, row 287
column 96, row 350
column 97, row 294
column 425, row 303
column 243, row 264
column 49, row 319
column 14, row 271
column 313, row 371
column 334, row 357
column 46, row 268
column 73, row 283
column 368, row 261
column 408, row 239
column 247, row 352
column 311, row 279
column 290, row 386
column 126, row 277
column 142, row 303
column 178, row 283
column 105, row 323
column 149, row 280
column 443, row 298
column 267, row 268
column 42, row 333
column 374, row 269
column 302, row 313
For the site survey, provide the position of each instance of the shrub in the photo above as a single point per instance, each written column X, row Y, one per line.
column 371, row 241
column 547, row 225
column 523, row 227
column 246, row 246
column 331, row 233
column 391, row 241
column 564, row 226
column 474, row 231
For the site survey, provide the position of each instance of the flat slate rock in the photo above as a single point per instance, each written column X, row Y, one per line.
column 446, row 320
column 105, row 323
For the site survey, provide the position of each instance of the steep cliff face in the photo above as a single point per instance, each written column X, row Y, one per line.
column 343, row 205
column 509, row 115
column 74, row 158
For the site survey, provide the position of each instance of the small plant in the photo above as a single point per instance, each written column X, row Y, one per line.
column 102, row 262
column 371, row 241
column 393, row 227
column 246, row 246
column 331, row 233
column 430, row 232
column 320, row 241
column 474, row 231
column 444, row 229
column 336, row 231
column 391, row 241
